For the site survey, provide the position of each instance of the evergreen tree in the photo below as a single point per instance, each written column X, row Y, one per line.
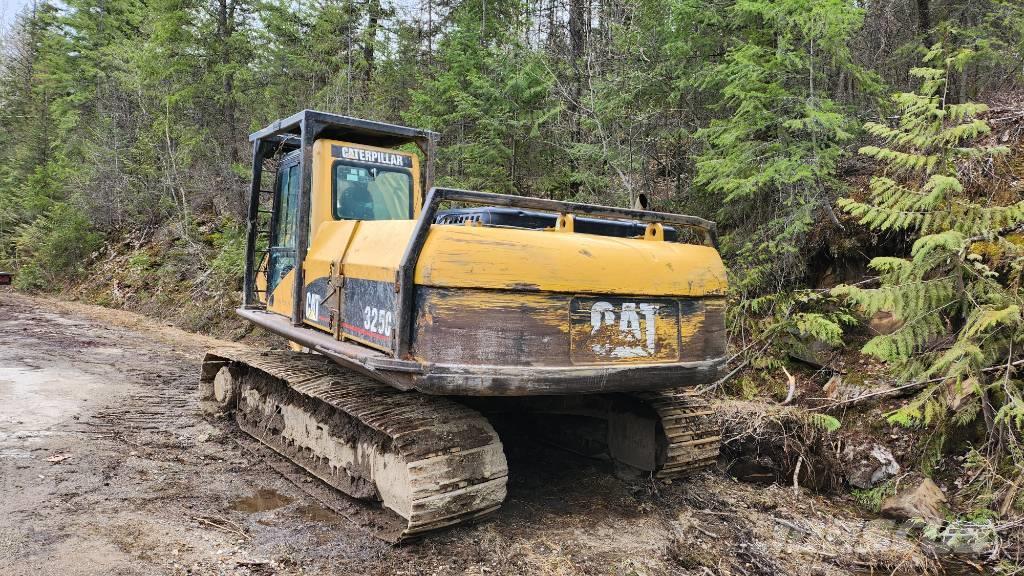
column 485, row 98
column 772, row 160
column 958, row 294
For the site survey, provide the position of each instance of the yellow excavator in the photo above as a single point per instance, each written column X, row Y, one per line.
column 418, row 314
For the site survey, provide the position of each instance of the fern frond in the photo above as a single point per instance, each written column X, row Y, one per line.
column 950, row 241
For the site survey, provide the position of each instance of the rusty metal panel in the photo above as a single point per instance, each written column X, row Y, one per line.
column 488, row 327
column 615, row 330
column 713, row 329
column 521, row 328
column 6, row 278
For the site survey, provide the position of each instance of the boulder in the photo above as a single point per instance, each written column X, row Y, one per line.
column 813, row 352
column 883, row 323
column 925, row 501
column 868, row 464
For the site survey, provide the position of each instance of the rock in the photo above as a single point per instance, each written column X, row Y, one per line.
column 813, row 352
column 868, row 464
column 926, row 501
column 204, row 432
column 831, row 388
column 958, row 391
column 883, row 323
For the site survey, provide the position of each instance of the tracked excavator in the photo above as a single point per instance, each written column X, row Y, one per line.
column 418, row 314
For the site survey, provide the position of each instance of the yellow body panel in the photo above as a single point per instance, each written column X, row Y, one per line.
column 514, row 259
column 369, row 250
column 281, row 303
column 499, row 268
column 377, row 248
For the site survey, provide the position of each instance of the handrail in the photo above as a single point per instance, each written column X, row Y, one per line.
column 527, row 203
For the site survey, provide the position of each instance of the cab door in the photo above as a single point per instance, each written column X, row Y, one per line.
column 283, row 243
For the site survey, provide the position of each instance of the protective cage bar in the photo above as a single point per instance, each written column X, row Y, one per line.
column 407, row 268
column 300, row 131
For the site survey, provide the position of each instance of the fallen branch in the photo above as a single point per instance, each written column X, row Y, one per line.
column 912, row 387
column 222, row 524
column 1009, row 498
column 796, row 475
column 792, row 387
column 714, row 385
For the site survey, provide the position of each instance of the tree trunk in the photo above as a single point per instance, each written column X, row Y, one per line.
column 924, row 20
column 577, row 53
column 225, row 30
column 370, row 41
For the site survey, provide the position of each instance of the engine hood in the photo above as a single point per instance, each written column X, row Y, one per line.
column 556, row 261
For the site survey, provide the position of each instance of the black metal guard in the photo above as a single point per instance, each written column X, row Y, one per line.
column 300, row 131
column 407, row 269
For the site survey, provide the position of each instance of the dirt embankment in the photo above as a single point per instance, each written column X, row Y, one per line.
column 107, row 467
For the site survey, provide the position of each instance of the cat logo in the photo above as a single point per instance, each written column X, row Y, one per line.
column 633, row 334
column 313, row 306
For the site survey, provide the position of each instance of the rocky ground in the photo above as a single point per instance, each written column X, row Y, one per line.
column 108, row 467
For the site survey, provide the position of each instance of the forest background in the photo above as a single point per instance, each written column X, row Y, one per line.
column 862, row 160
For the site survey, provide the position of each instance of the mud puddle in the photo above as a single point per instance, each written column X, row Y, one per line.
column 263, row 500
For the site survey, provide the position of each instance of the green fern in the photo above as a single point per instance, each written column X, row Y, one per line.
column 823, row 422
column 872, row 498
column 774, row 327
column 958, row 293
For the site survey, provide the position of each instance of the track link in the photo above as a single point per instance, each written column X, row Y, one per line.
column 692, row 432
column 430, row 461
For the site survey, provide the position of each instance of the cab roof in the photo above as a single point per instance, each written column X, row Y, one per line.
column 287, row 132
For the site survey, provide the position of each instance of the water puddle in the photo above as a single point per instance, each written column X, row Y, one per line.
column 264, row 499
column 315, row 513
column 15, row 453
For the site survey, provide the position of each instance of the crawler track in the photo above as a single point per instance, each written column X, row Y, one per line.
column 431, row 462
column 692, row 436
column 667, row 434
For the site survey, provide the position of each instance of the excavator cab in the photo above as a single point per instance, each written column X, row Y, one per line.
column 315, row 167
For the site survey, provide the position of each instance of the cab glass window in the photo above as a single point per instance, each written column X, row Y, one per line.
column 368, row 192
column 283, row 240
column 287, row 208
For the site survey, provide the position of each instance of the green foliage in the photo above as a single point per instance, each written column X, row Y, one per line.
column 960, row 308
column 872, row 498
column 54, row 246
column 486, row 97
column 824, row 422
column 772, row 159
column 228, row 266
column 773, row 327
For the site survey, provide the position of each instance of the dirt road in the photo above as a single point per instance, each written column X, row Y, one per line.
column 107, row 467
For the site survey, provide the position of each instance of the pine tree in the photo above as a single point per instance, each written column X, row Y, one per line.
column 770, row 163
column 958, row 293
column 771, row 160
column 486, row 97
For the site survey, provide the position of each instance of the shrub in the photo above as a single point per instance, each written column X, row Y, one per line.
column 54, row 247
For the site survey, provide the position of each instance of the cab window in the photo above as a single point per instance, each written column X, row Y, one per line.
column 369, row 192
column 283, row 240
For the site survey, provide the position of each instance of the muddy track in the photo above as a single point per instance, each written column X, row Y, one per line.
column 108, row 467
